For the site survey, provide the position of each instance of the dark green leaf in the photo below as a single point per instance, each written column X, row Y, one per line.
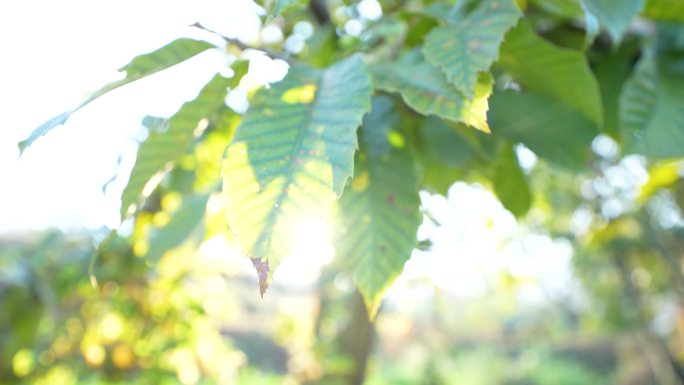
column 612, row 70
column 510, row 183
column 451, row 144
column 546, row 126
column 558, row 72
column 652, row 108
column 469, row 44
column 425, row 89
column 379, row 211
column 614, row 15
column 446, row 152
column 561, row 8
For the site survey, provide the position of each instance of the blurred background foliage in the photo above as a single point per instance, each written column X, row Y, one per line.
column 194, row 315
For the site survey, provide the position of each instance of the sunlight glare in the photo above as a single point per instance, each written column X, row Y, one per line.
column 220, row 255
column 313, row 250
column 313, row 241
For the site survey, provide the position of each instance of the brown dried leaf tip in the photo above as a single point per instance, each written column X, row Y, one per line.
column 262, row 272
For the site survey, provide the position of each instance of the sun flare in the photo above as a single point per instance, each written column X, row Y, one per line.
column 313, row 242
column 312, row 250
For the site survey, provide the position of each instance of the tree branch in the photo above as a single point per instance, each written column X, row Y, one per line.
column 319, row 8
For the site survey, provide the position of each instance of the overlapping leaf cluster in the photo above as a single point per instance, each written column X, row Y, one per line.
column 426, row 95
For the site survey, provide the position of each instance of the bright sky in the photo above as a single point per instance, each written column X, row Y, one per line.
column 55, row 53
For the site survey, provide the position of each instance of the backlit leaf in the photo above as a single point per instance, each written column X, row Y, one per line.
column 182, row 224
column 141, row 66
column 164, row 146
column 291, row 156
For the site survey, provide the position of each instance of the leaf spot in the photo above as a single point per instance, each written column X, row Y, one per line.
column 391, row 199
column 262, row 269
column 360, row 183
column 396, row 139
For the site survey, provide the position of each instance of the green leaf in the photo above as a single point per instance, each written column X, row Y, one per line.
column 546, row 126
column 670, row 37
column 321, row 48
column 453, row 145
column 470, row 43
column 560, row 8
column 614, row 15
column 591, row 26
column 558, row 72
column 665, row 10
column 208, row 154
column 612, row 70
column 446, row 152
column 283, row 5
column 43, row 129
column 652, row 109
column 181, row 226
column 425, row 89
column 141, row 66
column 379, row 212
column 167, row 56
column 164, row 146
column 291, row 157
column 510, row 183
column 573, row 9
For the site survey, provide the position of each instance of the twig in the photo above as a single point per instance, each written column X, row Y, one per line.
column 243, row 46
column 319, row 9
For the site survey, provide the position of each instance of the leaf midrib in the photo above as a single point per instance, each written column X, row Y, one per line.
column 299, row 140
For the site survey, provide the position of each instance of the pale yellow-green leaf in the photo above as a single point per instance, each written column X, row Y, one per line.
column 291, row 157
